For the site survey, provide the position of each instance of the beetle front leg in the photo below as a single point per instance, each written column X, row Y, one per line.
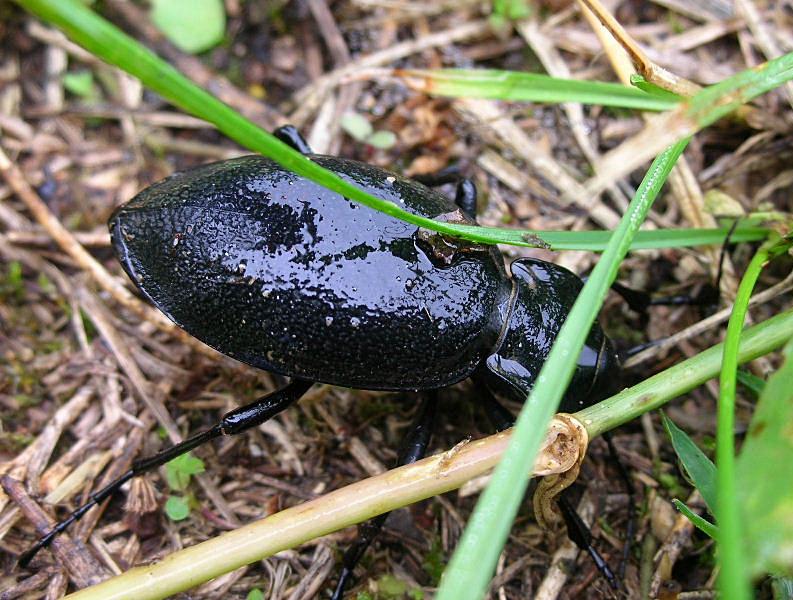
column 232, row 423
column 413, row 448
column 577, row 530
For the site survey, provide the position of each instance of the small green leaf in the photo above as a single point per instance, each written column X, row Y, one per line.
column 357, row 126
column 652, row 89
column 434, row 561
column 752, row 382
column 192, row 25
column 12, row 286
column 517, row 9
column 390, row 587
column 80, row 83
column 47, row 287
column 703, row 525
column 382, row 139
column 179, row 471
column 255, row 594
column 699, row 468
column 177, row 508
column 722, row 205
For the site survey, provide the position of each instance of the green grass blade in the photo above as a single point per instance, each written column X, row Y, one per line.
column 110, row 44
column 699, row 468
column 719, row 100
column 596, row 241
column 734, row 574
column 473, row 562
column 531, row 87
column 751, row 382
column 679, row 379
column 107, row 42
column 166, row 578
column 703, row 525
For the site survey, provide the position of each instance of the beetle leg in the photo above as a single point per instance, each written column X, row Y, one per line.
column 233, row 422
column 413, row 448
column 577, row 530
column 450, row 174
column 465, row 197
column 465, row 194
column 581, row 536
column 290, row 136
column 498, row 415
column 639, row 301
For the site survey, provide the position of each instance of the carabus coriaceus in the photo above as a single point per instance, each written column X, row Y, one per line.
column 280, row 273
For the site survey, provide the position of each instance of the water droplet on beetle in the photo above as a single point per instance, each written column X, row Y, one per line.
column 355, row 322
column 328, row 321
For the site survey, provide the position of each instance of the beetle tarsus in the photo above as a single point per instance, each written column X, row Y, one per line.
column 579, row 533
column 413, row 448
column 577, row 530
column 233, row 422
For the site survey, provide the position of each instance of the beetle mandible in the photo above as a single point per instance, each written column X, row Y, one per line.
column 285, row 275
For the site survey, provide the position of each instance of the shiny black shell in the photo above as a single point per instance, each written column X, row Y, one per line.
column 280, row 273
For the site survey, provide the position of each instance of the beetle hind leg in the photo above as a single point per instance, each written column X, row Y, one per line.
column 577, row 530
column 413, row 448
column 232, row 423
column 465, row 195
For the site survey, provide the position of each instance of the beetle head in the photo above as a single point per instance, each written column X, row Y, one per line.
column 543, row 294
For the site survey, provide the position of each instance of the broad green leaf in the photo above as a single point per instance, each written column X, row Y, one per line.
column 764, row 472
column 699, row 468
column 192, row 25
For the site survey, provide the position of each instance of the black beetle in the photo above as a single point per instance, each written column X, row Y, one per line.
column 280, row 273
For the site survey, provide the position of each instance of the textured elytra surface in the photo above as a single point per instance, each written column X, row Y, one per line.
column 282, row 274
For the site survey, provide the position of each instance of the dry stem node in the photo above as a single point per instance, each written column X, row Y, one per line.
column 567, row 440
